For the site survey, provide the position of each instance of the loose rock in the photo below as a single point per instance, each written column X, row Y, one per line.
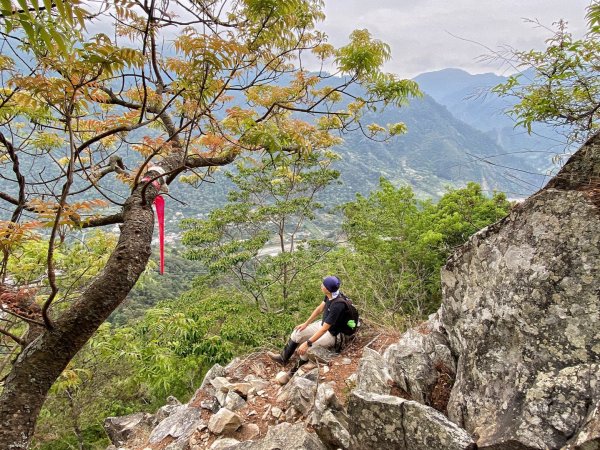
column 284, row 436
column 223, row 443
column 121, row 429
column 233, row 401
column 179, row 425
column 224, row 421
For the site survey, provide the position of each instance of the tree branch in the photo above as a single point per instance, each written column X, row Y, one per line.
column 12, row 336
column 102, row 221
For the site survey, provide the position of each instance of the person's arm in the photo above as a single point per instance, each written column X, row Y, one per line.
column 318, row 310
column 320, row 332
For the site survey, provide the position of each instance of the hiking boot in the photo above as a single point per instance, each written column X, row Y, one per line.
column 294, row 369
column 287, row 352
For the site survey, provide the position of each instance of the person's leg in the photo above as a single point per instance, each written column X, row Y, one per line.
column 296, row 339
column 326, row 341
column 302, row 336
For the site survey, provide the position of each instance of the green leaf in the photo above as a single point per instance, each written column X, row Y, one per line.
column 60, row 6
column 24, row 7
column 7, row 7
column 29, row 31
column 59, row 40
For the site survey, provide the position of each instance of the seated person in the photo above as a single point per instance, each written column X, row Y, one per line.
column 320, row 333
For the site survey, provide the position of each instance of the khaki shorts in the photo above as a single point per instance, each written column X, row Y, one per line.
column 327, row 340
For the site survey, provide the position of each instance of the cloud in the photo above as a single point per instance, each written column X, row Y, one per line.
column 428, row 35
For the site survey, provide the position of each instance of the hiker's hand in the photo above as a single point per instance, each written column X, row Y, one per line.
column 303, row 348
column 301, row 327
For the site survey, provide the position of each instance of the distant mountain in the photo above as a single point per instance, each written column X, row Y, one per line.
column 467, row 96
column 469, row 99
column 438, row 151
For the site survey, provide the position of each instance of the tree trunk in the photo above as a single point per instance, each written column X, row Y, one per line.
column 45, row 357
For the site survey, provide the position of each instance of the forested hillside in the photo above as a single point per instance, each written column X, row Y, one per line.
column 451, row 139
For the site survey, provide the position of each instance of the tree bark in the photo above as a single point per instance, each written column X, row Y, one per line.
column 45, row 357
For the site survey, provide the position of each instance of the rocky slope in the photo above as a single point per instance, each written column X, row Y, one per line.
column 510, row 361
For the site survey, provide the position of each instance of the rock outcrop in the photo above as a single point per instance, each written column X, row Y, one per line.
column 284, row 436
column 511, row 361
column 522, row 312
column 123, row 429
column 385, row 422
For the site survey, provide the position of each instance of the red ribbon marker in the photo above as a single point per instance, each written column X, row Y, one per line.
column 159, row 204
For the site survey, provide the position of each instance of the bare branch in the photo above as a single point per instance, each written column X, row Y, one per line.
column 12, row 336
column 102, row 221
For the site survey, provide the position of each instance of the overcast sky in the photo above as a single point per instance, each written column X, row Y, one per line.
column 420, row 31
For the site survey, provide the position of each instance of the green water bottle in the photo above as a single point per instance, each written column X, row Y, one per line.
column 351, row 324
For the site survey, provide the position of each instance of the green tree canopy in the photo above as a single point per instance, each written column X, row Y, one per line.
column 559, row 85
column 399, row 243
column 273, row 203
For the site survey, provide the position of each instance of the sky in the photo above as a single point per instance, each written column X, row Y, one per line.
column 428, row 35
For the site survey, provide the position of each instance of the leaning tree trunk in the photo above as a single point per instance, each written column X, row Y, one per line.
column 44, row 358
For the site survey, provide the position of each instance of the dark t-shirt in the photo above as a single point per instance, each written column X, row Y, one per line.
column 335, row 314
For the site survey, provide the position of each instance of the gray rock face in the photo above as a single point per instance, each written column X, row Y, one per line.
column 522, row 311
column 385, row 422
column 588, row 437
column 332, row 431
column 121, row 429
column 180, row 425
column 299, row 393
column 284, row 436
column 417, row 360
column 372, row 374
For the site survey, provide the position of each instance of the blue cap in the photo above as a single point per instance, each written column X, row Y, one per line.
column 331, row 283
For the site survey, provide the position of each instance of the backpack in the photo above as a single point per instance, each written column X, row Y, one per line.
column 353, row 324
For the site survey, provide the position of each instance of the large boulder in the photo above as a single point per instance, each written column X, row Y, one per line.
column 298, row 394
column 418, row 360
column 284, row 436
column 180, row 426
column 385, row 422
column 372, row 374
column 122, row 429
column 522, row 311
